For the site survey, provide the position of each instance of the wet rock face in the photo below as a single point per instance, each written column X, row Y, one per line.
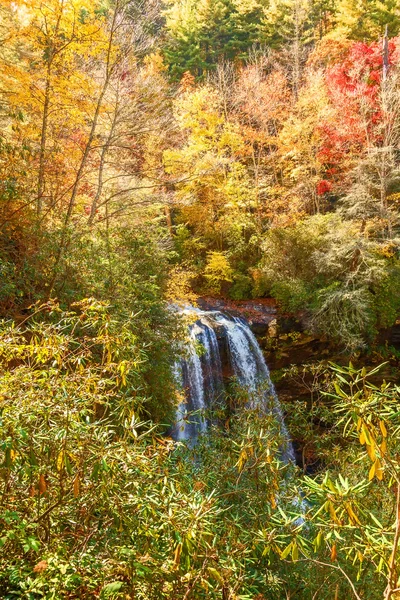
column 262, row 315
column 394, row 335
column 258, row 313
column 280, row 335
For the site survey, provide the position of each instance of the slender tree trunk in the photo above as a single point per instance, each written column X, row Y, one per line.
column 168, row 217
column 43, row 140
column 103, row 157
column 88, row 147
column 385, row 54
column 75, row 188
column 386, row 150
column 296, row 46
column 109, row 253
column 46, row 107
column 385, row 69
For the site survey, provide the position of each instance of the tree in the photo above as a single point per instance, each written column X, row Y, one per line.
column 212, row 177
column 261, row 105
column 76, row 101
column 300, row 144
column 366, row 20
column 43, row 79
column 354, row 87
column 202, row 34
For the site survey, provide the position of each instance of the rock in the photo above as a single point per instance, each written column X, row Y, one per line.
column 258, row 312
column 273, row 329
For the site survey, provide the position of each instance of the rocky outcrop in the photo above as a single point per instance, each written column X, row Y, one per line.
column 262, row 314
column 282, row 336
column 258, row 313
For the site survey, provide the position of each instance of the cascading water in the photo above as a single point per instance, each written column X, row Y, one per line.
column 202, row 380
column 212, row 365
column 253, row 374
column 200, row 375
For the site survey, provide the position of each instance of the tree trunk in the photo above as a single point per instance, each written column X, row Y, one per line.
column 109, row 70
column 43, row 140
column 104, row 153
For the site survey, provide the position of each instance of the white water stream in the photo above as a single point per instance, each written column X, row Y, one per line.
column 201, row 375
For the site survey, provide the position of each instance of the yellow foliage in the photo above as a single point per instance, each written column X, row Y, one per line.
column 217, row 271
column 51, row 64
column 179, row 287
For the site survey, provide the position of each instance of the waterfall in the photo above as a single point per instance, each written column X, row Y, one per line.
column 201, row 375
column 253, row 374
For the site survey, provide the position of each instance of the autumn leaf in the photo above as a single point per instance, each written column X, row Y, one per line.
column 333, row 553
column 41, row 566
column 42, row 484
column 77, row 486
column 177, row 555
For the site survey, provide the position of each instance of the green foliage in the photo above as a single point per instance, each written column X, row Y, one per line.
column 241, row 287
column 349, row 426
column 24, row 263
column 191, row 249
column 368, row 18
column 88, row 506
column 130, row 271
column 95, row 504
column 226, row 181
column 387, row 301
column 344, row 313
column 202, row 34
column 293, row 294
column 328, row 266
column 124, row 268
column 243, row 466
column 346, row 509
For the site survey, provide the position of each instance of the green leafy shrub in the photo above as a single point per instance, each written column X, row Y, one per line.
column 293, row 295
column 387, row 297
column 346, row 281
column 343, row 314
column 241, row 287
column 89, row 507
column 94, row 504
column 191, row 249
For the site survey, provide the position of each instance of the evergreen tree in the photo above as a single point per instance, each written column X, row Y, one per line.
column 202, row 34
column 367, row 19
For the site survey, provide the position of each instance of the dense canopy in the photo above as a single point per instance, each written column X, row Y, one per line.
column 153, row 152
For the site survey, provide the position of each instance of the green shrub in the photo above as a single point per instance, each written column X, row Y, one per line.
column 241, row 287
column 347, row 282
column 293, row 295
column 89, row 505
column 386, row 297
column 95, row 504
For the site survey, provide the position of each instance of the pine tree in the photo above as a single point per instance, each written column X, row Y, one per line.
column 367, row 19
column 202, row 34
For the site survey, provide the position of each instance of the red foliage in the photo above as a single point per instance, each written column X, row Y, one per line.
column 353, row 86
column 323, row 187
column 88, row 209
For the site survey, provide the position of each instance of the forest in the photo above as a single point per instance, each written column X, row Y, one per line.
column 200, row 299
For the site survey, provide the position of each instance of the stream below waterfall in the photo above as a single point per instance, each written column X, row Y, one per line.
column 200, row 373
